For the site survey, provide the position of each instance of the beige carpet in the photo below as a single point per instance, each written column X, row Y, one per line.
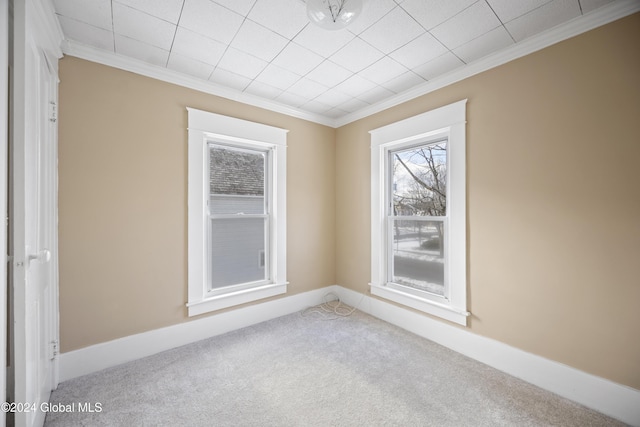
column 309, row 371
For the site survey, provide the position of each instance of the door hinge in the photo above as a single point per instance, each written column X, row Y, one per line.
column 53, row 112
column 53, row 349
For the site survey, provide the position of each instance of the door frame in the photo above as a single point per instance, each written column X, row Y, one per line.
column 4, row 156
column 33, row 26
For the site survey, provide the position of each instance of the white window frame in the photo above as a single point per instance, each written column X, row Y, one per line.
column 205, row 127
column 446, row 122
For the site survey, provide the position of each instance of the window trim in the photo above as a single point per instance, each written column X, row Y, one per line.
column 448, row 121
column 205, row 127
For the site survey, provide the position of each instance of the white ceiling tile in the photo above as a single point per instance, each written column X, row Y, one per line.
column 355, row 85
column 297, row 59
column 263, row 90
column 240, row 6
column 383, row 70
column 169, row 10
column 196, row 46
column 333, row 97
column 508, row 10
column 432, row 13
column 467, row 25
column 356, row 55
column 439, row 66
column 142, row 51
column 307, row 88
column 291, row 99
column 229, row 79
column 87, row 34
column 92, row 12
column 259, row 41
column 335, row 113
column 329, row 74
column 542, row 18
column 590, row 5
column 490, row 42
column 316, row 107
column 372, row 11
column 241, row 63
column 285, row 17
column 323, row 42
column 352, row 105
column 277, row 77
column 376, row 94
column 418, row 51
column 392, row 31
column 404, row 82
column 210, row 19
column 143, row 27
column 189, row 66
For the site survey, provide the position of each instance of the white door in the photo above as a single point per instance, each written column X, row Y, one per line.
column 33, row 226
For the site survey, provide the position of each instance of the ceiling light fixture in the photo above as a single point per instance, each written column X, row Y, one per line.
column 333, row 14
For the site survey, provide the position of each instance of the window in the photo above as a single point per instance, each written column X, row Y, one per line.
column 237, row 211
column 418, row 212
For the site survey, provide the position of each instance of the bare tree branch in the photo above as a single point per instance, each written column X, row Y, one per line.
column 420, row 181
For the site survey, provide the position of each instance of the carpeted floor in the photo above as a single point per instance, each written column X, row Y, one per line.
column 306, row 370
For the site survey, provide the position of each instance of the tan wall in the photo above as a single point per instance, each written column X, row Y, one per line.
column 553, row 145
column 123, row 193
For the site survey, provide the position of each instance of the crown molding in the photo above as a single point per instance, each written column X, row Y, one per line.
column 121, row 62
column 613, row 11
column 47, row 27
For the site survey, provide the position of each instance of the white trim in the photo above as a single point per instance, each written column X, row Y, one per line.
column 231, row 127
column 82, row 51
column 435, row 308
column 615, row 10
column 4, row 157
column 231, row 299
column 49, row 33
column 203, row 128
column 605, row 396
column 444, row 122
column 105, row 355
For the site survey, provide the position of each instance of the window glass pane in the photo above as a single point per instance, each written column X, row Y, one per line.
column 418, row 255
column 419, row 180
column 238, row 251
column 236, row 180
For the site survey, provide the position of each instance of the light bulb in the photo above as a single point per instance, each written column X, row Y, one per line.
column 333, row 14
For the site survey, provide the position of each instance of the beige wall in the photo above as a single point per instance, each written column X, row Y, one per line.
column 553, row 206
column 123, row 193
column 553, row 146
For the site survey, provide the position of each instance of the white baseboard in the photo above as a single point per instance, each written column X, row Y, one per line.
column 105, row 355
column 607, row 397
column 612, row 399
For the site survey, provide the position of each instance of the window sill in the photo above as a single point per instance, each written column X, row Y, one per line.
column 443, row 311
column 236, row 298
